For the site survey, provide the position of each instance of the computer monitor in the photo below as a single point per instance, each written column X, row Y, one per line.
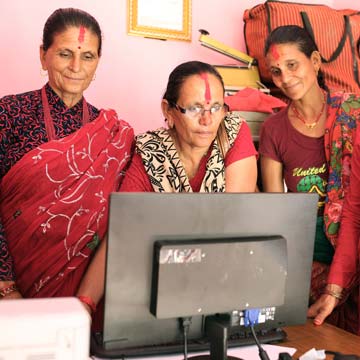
column 139, row 220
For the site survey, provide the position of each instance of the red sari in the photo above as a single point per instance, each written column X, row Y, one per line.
column 54, row 204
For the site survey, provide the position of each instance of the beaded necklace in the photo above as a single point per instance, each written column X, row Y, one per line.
column 49, row 124
column 301, row 118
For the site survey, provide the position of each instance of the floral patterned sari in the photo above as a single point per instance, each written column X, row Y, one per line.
column 340, row 130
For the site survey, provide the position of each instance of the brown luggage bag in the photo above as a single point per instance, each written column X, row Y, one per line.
column 336, row 34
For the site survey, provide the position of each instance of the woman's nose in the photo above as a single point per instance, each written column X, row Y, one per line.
column 285, row 76
column 205, row 118
column 75, row 63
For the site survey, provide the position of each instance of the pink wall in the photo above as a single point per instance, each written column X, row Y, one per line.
column 133, row 71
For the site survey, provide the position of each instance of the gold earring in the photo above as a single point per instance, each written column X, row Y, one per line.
column 171, row 125
column 43, row 73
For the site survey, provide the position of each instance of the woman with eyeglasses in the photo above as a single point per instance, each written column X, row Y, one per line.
column 203, row 149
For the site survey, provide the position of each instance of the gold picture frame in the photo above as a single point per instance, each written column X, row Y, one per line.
column 160, row 19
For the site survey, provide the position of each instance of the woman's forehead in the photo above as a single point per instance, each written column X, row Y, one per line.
column 202, row 86
column 79, row 36
column 284, row 52
column 79, row 32
column 201, row 80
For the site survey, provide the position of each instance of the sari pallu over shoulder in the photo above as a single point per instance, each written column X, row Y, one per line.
column 54, row 204
column 164, row 168
column 340, row 133
column 341, row 126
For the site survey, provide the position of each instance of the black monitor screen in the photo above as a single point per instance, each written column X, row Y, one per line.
column 141, row 223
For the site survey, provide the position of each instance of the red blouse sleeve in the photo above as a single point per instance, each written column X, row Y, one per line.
column 344, row 264
column 243, row 146
column 136, row 178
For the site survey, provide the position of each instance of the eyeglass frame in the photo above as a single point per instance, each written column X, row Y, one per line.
column 202, row 113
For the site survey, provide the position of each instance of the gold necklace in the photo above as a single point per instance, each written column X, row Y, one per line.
column 301, row 118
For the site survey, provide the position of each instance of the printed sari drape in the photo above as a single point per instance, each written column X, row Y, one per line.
column 165, row 169
column 54, row 204
column 341, row 124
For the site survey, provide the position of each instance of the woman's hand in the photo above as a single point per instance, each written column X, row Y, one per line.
column 9, row 290
column 322, row 308
column 12, row 295
column 327, row 302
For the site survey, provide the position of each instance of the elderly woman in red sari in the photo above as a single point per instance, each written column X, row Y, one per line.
column 60, row 157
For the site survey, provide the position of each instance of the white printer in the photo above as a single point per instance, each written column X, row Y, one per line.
column 46, row 329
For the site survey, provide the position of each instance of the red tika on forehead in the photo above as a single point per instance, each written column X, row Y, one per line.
column 81, row 34
column 204, row 76
column 274, row 52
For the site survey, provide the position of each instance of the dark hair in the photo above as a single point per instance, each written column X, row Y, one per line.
column 61, row 19
column 181, row 73
column 295, row 35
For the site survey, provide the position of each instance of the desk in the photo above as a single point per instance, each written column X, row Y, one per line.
column 303, row 338
column 328, row 337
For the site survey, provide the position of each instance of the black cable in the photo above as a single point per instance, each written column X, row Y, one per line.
column 340, row 356
column 186, row 322
column 254, row 336
column 262, row 353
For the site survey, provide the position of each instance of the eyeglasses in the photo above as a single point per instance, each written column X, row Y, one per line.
column 196, row 111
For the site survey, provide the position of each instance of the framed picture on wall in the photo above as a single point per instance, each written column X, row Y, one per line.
column 160, row 19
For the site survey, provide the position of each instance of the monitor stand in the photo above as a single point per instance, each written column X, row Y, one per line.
column 217, row 330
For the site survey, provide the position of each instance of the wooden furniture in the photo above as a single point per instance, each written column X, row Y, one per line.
column 326, row 336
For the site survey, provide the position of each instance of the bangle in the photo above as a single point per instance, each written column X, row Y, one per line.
column 8, row 290
column 336, row 294
column 88, row 301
